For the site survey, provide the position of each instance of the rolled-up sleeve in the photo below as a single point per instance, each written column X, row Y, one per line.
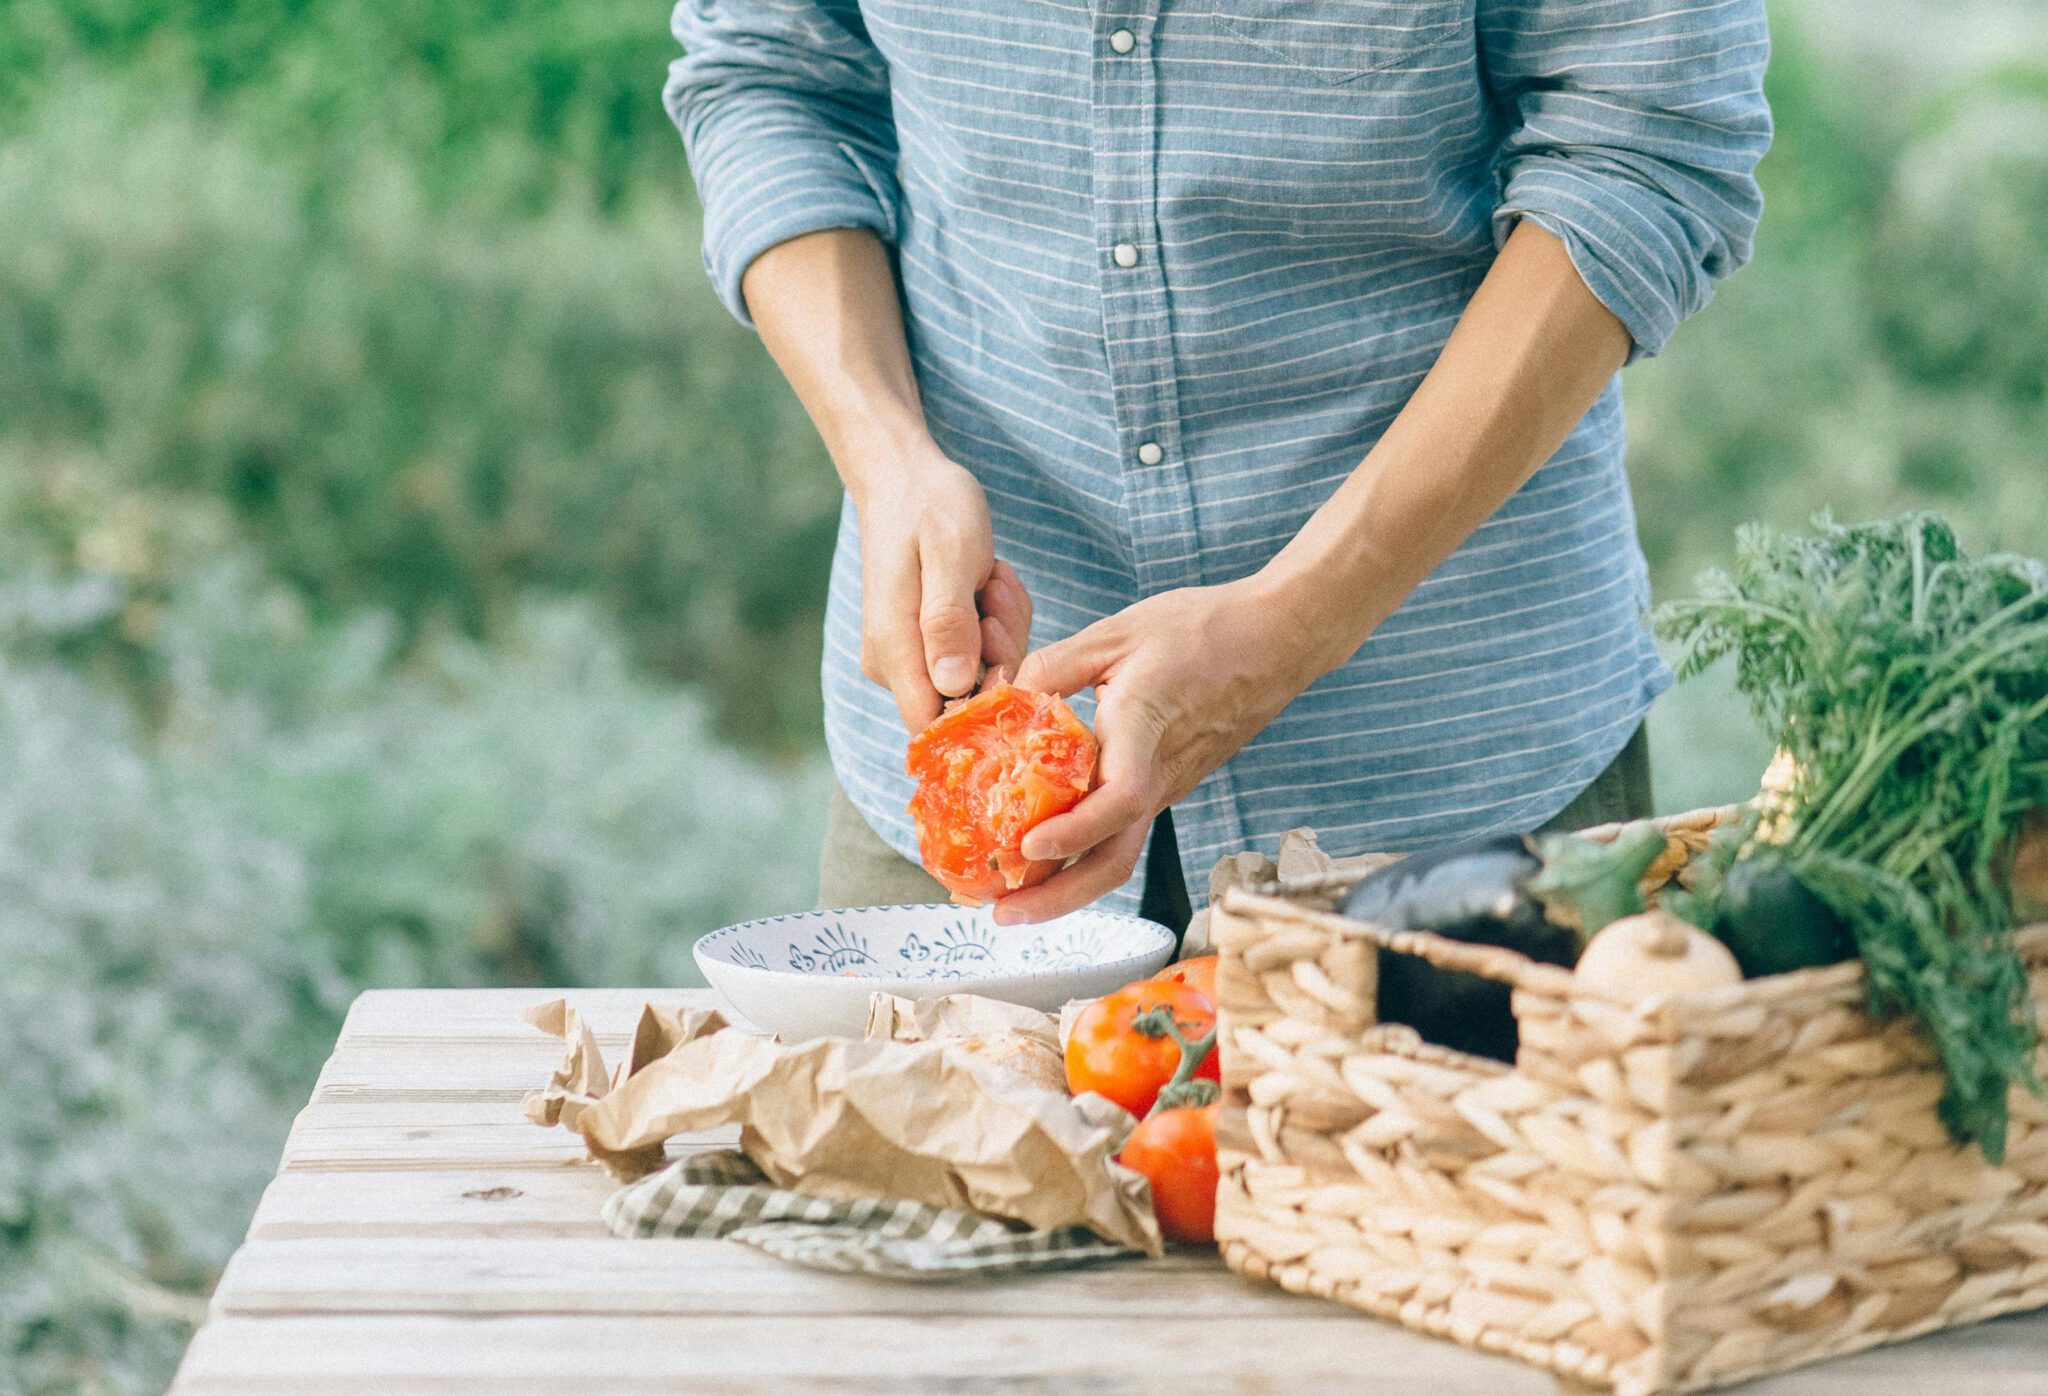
column 784, row 110
column 1635, row 127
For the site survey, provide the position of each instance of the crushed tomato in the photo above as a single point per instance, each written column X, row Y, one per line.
column 988, row 769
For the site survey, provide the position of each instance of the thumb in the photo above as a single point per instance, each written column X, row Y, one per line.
column 949, row 620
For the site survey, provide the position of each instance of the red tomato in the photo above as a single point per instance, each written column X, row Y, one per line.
column 988, row 769
column 1109, row 1054
column 1198, row 973
column 1176, row 1149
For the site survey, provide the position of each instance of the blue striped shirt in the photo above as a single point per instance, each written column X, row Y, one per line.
column 1170, row 269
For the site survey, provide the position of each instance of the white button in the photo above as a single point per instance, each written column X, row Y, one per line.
column 1123, row 41
column 1150, row 454
column 1125, row 254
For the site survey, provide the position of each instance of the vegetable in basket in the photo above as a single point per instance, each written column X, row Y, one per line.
column 1653, row 954
column 1748, row 895
column 1909, row 684
column 1540, row 896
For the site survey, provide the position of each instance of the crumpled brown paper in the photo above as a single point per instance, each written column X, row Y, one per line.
column 581, row 1081
column 896, row 1019
column 1018, row 1039
column 968, row 1015
column 845, row 1119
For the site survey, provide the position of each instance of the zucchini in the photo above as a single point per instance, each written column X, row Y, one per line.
column 1773, row 921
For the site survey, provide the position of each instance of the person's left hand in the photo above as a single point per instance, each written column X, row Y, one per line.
column 1182, row 680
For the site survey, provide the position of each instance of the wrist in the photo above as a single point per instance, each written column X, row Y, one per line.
column 882, row 457
column 1321, row 615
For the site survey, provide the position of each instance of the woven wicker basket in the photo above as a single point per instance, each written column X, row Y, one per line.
column 1657, row 1197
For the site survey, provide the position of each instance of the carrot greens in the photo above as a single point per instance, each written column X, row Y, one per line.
column 1910, row 684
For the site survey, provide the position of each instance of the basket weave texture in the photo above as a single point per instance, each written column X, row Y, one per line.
column 1662, row 1196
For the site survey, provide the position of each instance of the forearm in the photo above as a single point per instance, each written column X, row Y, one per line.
column 1530, row 355
column 936, row 605
column 826, row 306
column 1184, row 678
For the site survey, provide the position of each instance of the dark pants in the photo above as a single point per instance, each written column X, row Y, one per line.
column 857, row 869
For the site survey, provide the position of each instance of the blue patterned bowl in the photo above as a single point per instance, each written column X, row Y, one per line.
column 809, row 975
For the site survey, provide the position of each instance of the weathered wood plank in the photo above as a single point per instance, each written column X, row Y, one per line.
column 467, row 1069
column 494, row 1013
column 398, row 1111
column 608, row 1275
column 801, row 1353
column 427, row 1203
column 446, row 1133
column 795, row 1353
column 512, row 1143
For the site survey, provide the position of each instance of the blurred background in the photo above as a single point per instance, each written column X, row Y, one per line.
column 410, row 576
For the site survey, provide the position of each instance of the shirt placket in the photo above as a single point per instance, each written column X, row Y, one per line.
column 1159, row 504
column 1136, row 309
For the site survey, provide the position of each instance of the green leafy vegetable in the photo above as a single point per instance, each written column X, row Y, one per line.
column 1910, row 683
column 1758, row 906
column 1588, row 886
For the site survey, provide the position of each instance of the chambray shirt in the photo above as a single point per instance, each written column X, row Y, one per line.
column 1170, row 267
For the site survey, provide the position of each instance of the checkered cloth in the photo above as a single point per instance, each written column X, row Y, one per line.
column 724, row 1194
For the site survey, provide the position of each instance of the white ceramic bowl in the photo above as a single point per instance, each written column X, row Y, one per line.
column 810, row 974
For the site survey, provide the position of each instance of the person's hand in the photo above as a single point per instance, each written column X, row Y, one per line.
column 936, row 605
column 1182, row 680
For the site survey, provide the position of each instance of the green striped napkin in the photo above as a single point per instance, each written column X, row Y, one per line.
column 723, row 1194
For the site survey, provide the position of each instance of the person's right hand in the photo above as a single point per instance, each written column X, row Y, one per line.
column 936, row 605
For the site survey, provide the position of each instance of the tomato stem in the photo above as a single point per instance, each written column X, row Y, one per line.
column 1192, row 1095
column 1158, row 1021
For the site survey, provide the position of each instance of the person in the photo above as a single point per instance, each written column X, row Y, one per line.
column 1255, row 359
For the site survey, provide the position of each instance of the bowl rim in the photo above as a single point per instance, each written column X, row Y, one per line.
column 1169, row 942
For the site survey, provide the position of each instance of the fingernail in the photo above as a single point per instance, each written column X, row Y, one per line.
column 1037, row 849
column 1005, row 916
column 952, row 675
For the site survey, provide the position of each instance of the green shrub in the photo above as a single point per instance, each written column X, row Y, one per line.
column 183, row 916
column 423, row 413
column 1885, row 351
column 502, row 105
column 157, row 1018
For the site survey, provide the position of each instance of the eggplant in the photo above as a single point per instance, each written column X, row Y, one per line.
column 1543, row 898
column 1463, row 891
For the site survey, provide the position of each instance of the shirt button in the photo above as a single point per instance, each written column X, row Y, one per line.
column 1124, row 254
column 1150, row 454
column 1123, row 41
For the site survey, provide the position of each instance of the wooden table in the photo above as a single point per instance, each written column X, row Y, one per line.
column 422, row 1237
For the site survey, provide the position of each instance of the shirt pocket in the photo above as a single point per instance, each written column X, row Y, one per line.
column 1340, row 41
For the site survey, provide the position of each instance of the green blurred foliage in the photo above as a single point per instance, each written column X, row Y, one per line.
column 185, row 912
column 396, row 539
column 510, row 107
column 414, row 409
column 1887, row 349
